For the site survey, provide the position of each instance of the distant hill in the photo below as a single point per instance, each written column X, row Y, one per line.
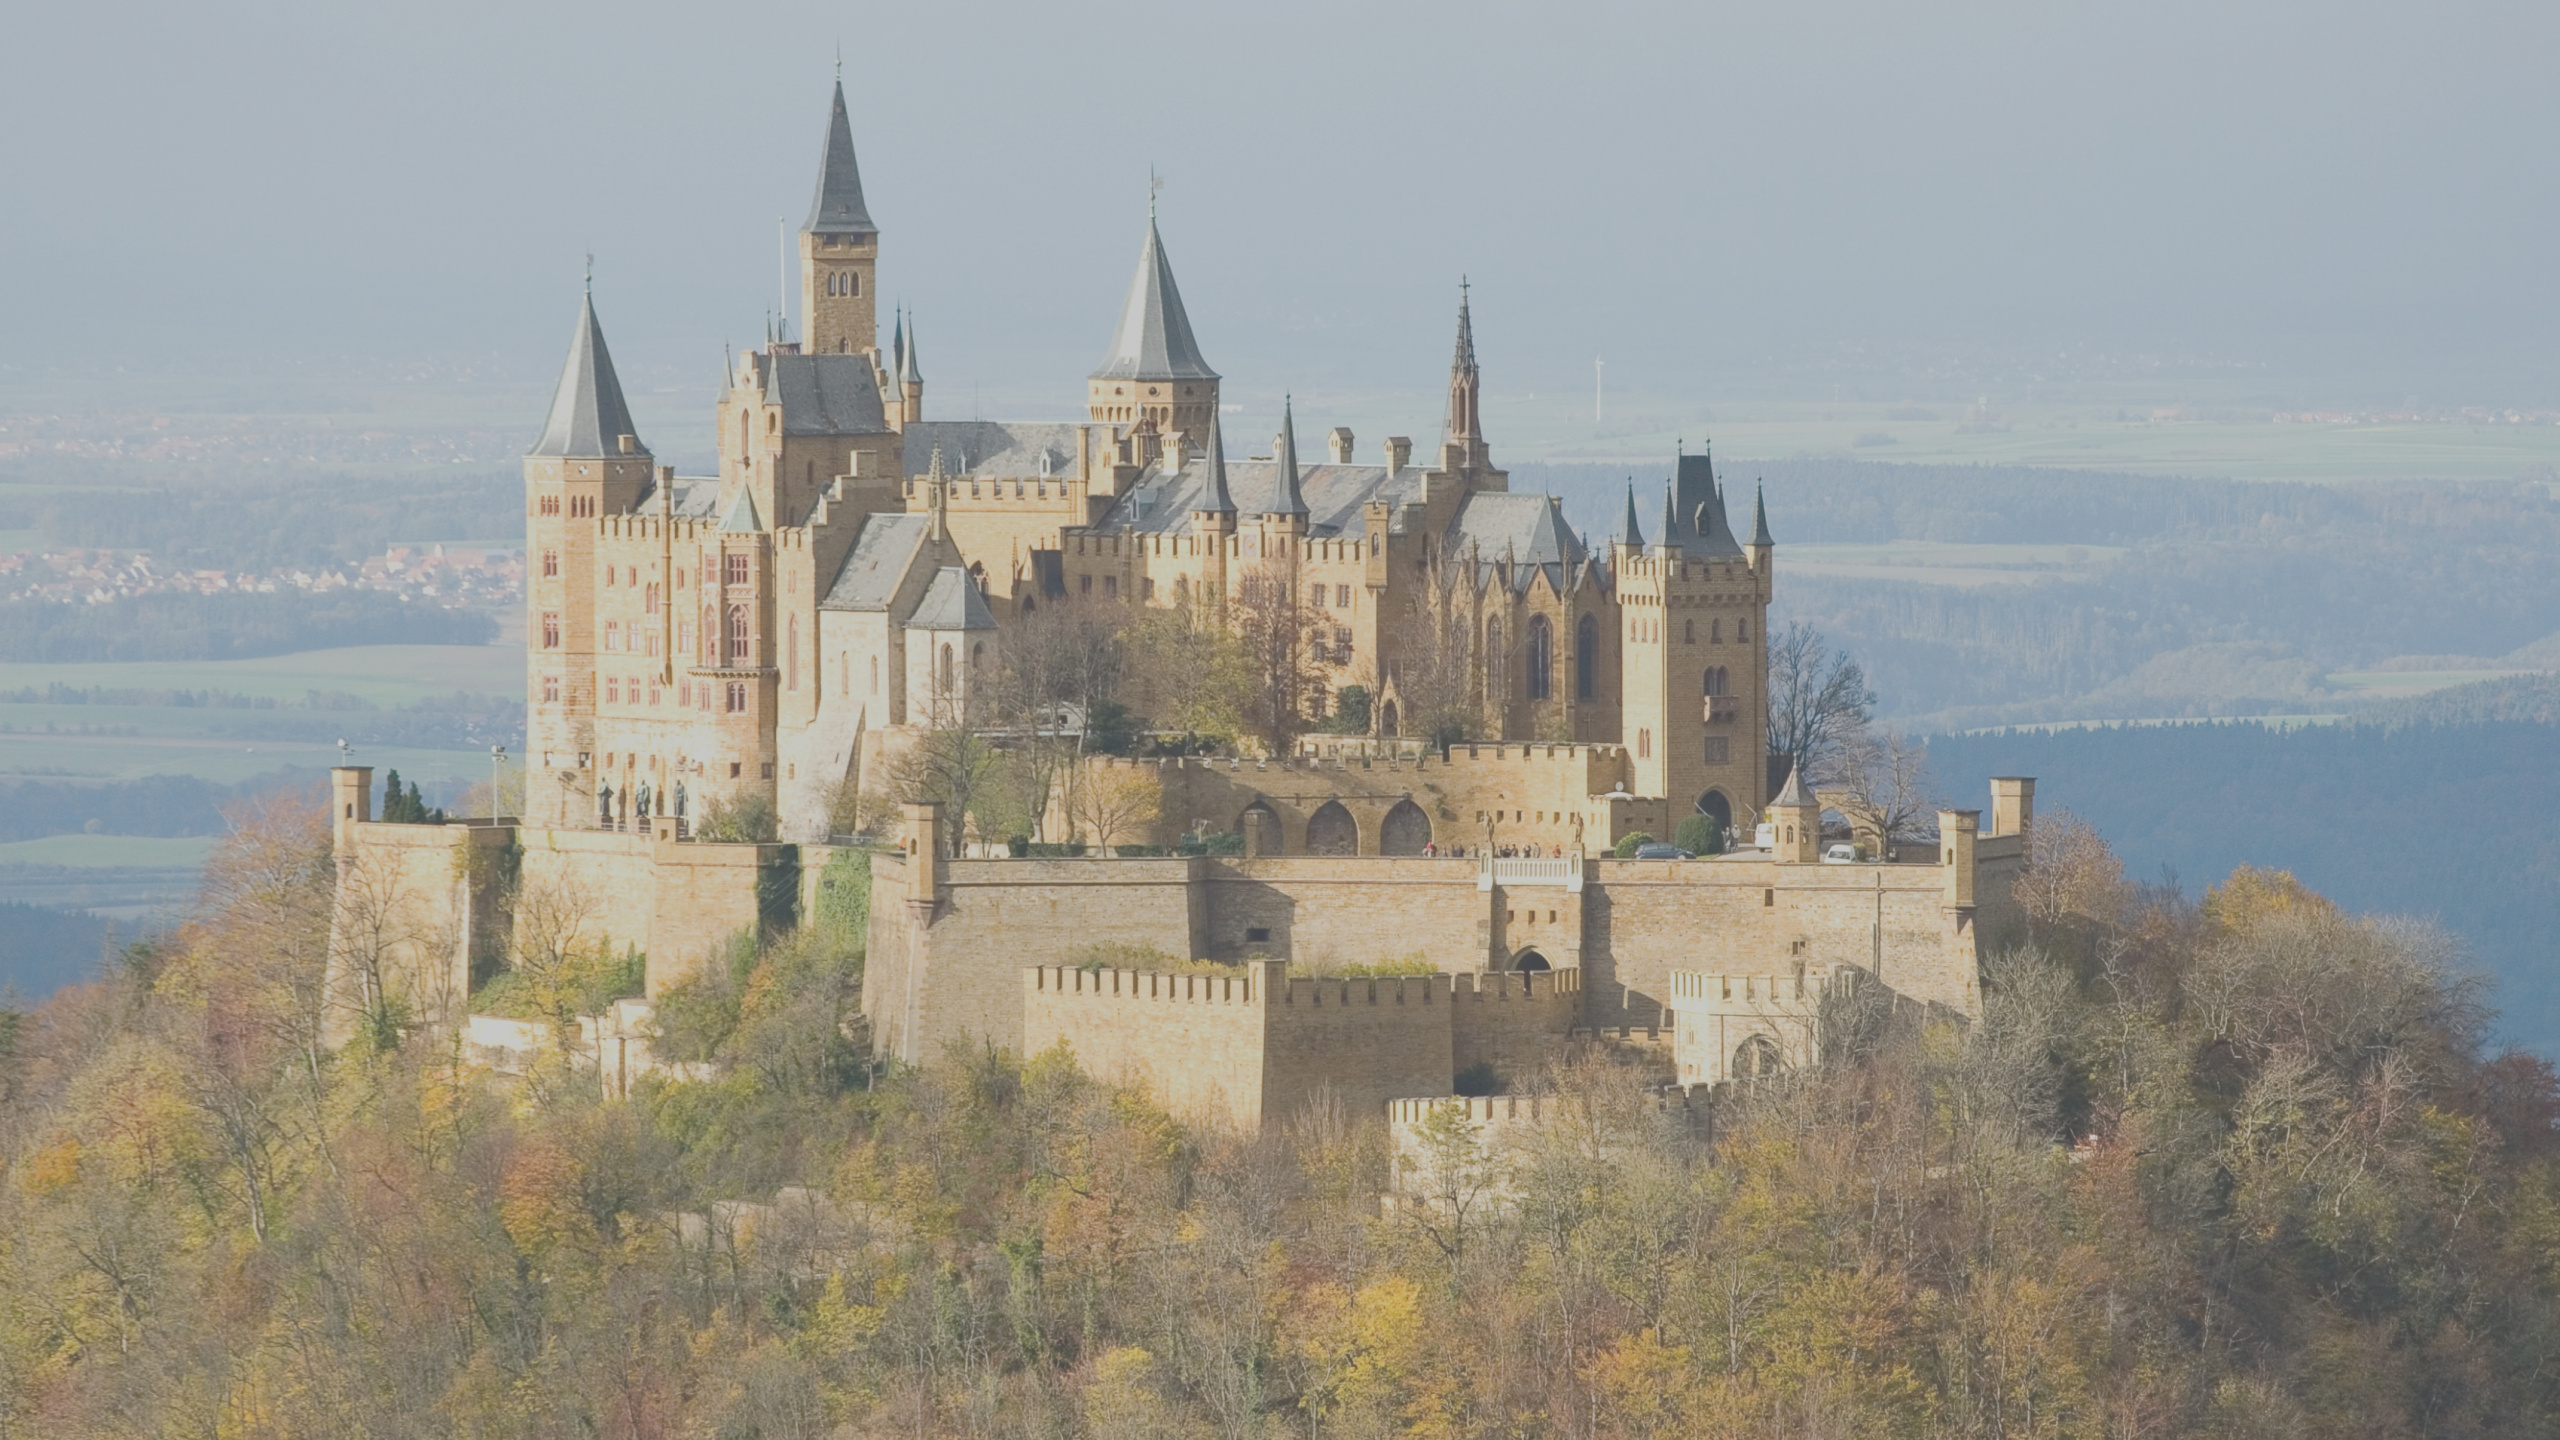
column 2438, row 807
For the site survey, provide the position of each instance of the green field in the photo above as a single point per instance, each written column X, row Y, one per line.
column 387, row 675
column 106, row 852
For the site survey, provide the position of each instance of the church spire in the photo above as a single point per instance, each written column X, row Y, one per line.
column 1760, row 517
column 909, row 372
column 1633, row 534
column 838, row 208
column 1670, row 518
column 1153, row 340
column 1464, row 423
column 1285, row 461
column 898, row 346
column 588, row 417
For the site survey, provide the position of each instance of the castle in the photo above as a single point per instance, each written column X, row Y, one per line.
column 846, row 581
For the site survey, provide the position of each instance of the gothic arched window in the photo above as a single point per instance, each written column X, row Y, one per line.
column 737, row 634
column 1542, row 658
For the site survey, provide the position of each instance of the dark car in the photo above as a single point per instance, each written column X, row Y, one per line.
column 1659, row 851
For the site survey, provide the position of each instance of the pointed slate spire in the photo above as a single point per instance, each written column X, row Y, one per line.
column 1214, row 499
column 1793, row 797
column 1760, row 517
column 1633, row 534
column 1153, row 341
column 1285, row 458
column 588, row 418
column 898, row 345
column 1670, row 518
column 908, row 371
column 742, row 518
column 838, row 210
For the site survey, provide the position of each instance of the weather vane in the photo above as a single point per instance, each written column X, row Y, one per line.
column 1155, row 183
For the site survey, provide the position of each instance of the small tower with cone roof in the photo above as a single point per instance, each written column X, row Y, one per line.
column 1796, row 818
column 1154, row 371
column 839, row 250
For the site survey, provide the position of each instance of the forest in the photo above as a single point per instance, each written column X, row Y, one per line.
column 2238, row 1166
column 227, row 627
column 242, row 519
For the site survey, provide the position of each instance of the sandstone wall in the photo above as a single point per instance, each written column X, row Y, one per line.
column 1517, row 1023
column 1365, row 1042
column 1196, row 1041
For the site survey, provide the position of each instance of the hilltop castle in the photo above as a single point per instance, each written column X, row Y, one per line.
column 851, row 567
column 846, row 581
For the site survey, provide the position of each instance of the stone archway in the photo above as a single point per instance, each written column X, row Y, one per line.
column 1405, row 830
column 1260, row 827
column 1332, row 831
column 1715, row 806
column 1530, row 962
column 1756, row 1059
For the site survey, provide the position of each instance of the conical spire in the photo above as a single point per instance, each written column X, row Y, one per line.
column 1670, row 518
column 1214, row 498
column 908, row 371
column 1760, row 517
column 1633, row 534
column 1285, row 459
column 1153, row 341
column 838, row 210
column 588, row 418
column 898, row 345
column 1793, row 797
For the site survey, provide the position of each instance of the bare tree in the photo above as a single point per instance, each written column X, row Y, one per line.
column 1884, row 786
column 1110, row 801
column 1818, row 701
column 1434, row 661
column 1272, row 620
column 959, row 768
column 1185, row 670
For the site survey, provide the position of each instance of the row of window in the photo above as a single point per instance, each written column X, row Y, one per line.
column 731, row 696
column 844, row 282
column 1718, row 749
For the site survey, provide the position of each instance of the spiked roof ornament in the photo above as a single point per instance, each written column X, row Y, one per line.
column 838, row 208
column 588, row 417
column 1760, row 516
column 1153, row 341
column 1285, row 456
column 1633, row 534
column 908, row 371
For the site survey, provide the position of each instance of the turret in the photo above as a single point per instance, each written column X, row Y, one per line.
column 1797, row 818
column 1155, row 370
column 910, row 377
column 1761, row 548
column 1289, row 509
column 839, row 250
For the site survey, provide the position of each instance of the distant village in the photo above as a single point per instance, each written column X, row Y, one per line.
column 448, row 577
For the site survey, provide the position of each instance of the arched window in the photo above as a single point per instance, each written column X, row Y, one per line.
column 1756, row 1059
column 1715, row 632
column 1331, row 831
column 1405, row 830
column 943, row 683
column 791, row 655
column 1688, row 632
column 1586, row 657
column 1497, row 673
column 1718, row 681
column 875, row 674
column 1542, row 658
column 737, row 634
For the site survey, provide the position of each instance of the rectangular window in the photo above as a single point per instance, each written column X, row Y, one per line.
column 1150, row 591
column 737, row 697
column 649, row 605
column 653, row 644
column 653, row 690
column 1341, row 644
column 550, row 564
column 1719, row 749
column 1341, row 597
column 1111, row 587
column 609, row 573
column 551, row 689
column 768, row 770
column 1084, row 584
column 684, row 637
column 684, row 693
column 733, row 769
column 613, row 689
column 550, row 629
column 612, row 633
column 736, row 568
column 1316, row 595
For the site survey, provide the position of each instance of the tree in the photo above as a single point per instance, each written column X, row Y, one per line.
column 1108, row 801
column 960, row 769
column 1187, row 671
column 1272, row 621
column 1881, row 782
column 1432, row 655
column 1817, row 702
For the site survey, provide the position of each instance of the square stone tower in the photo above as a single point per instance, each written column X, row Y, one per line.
column 1693, row 610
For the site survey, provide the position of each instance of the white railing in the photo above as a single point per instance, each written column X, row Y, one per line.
column 1564, row 874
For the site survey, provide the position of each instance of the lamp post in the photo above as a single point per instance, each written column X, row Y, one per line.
column 497, row 765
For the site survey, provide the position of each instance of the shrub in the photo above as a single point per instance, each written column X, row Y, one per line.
column 1625, row 849
column 737, row 818
column 1478, row 1079
column 1700, row 835
column 1050, row 850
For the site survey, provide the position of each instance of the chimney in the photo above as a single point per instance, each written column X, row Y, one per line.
column 2013, row 804
column 627, row 444
column 1399, row 450
column 1338, row 445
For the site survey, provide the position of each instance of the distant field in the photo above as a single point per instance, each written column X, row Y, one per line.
column 384, row 674
column 2397, row 684
column 93, row 852
column 1929, row 562
column 116, row 757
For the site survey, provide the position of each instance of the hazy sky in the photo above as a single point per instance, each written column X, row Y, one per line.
column 2356, row 190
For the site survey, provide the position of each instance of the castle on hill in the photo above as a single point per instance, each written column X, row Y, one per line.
column 850, row 570
column 846, row 581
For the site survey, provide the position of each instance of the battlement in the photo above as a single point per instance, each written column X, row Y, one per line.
column 975, row 493
column 1474, row 1109
column 1699, row 987
column 1168, row 987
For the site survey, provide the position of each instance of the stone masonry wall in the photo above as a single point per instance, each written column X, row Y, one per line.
column 1196, row 1041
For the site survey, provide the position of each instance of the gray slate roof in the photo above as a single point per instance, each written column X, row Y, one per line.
column 838, row 208
column 1694, row 514
column 697, row 497
column 951, row 602
column 1006, row 449
column 742, row 518
column 588, row 418
column 1163, row 499
column 1794, row 795
column 1153, row 341
column 824, row 394
column 878, row 562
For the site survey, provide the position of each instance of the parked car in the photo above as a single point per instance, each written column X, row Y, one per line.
column 1660, row 851
column 1840, row 855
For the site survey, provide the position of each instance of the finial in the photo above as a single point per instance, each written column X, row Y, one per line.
column 1155, row 183
column 1462, row 287
column 839, row 62
column 591, row 272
